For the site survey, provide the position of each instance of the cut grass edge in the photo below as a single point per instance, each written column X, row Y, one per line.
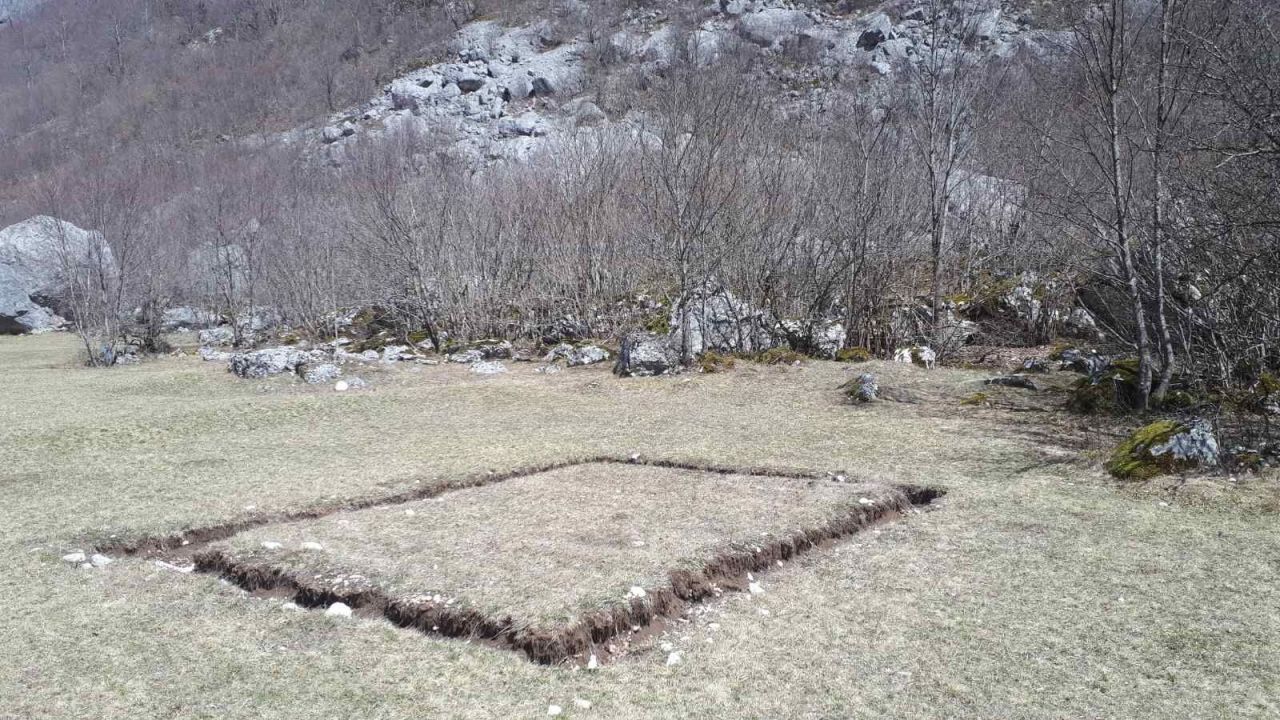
column 587, row 637
column 122, row 544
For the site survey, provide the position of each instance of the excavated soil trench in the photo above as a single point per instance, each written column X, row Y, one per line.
column 594, row 634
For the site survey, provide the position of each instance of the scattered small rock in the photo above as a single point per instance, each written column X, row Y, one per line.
column 312, row 546
column 1014, row 381
column 316, row 373
column 184, row 569
column 755, row 588
column 74, row 558
column 99, row 561
column 488, row 367
column 339, row 610
column 1035, row 365
column 919, row 355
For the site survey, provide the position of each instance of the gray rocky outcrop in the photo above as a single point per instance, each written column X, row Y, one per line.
column 771, row 26
column 713, row 318
column 35, row 257
column 645, row 354
column 259, row 364
column 18, row 313
column 576, row 356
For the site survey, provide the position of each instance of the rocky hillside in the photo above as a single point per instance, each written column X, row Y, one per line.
column 504, row 90
column 811, row 177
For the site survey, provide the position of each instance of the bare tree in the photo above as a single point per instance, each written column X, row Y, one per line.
column 943, row 88
column 99, row 270
column 696, row 154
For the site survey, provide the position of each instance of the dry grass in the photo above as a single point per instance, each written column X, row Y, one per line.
column 545, row 548
column 1039, row 588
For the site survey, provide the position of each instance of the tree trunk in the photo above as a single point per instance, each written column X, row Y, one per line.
column 1157, row 208
column 1124, row 249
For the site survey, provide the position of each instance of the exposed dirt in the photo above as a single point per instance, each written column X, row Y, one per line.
column 599, row 633
column 190, row 541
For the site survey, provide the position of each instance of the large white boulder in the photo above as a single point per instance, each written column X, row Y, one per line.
column 18, row 314
column 770, row 26
column 35, row 256
column 647, row 354
column 258, row 364
column 39, row 250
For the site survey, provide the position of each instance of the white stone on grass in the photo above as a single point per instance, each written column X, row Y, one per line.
column 636, row 591
column 98, row 560
column 271, row 545
column 488, row 367
column 674, row 658
column 593, row 663
column 554, row 710
column 582, row 704
column 340, row 610
column 755, row 588
column 312, row 546
column 74, row 558
column 342, row 386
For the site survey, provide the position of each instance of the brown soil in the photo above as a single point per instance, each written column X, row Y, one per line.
column 594, row 634
column 189, row 541
column 574, row 642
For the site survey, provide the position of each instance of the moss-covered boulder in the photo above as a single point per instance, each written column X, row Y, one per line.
column 862, row 389
column 1164, row 447
column 853, row 354
column 779, row 356
column 1113, row 390
column 714, row 362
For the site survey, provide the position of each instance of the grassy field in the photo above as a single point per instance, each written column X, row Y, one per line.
column 545, row 548
column 1038, row 588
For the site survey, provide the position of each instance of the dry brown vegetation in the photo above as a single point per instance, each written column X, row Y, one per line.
column 1038, row 588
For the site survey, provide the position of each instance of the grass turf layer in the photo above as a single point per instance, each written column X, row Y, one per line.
column 522, row 596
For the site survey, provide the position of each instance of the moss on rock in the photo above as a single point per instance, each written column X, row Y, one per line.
column 779, row 356
column 713, row 362
column 853, row 354
column 1133, row 459
column 1113, row 392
